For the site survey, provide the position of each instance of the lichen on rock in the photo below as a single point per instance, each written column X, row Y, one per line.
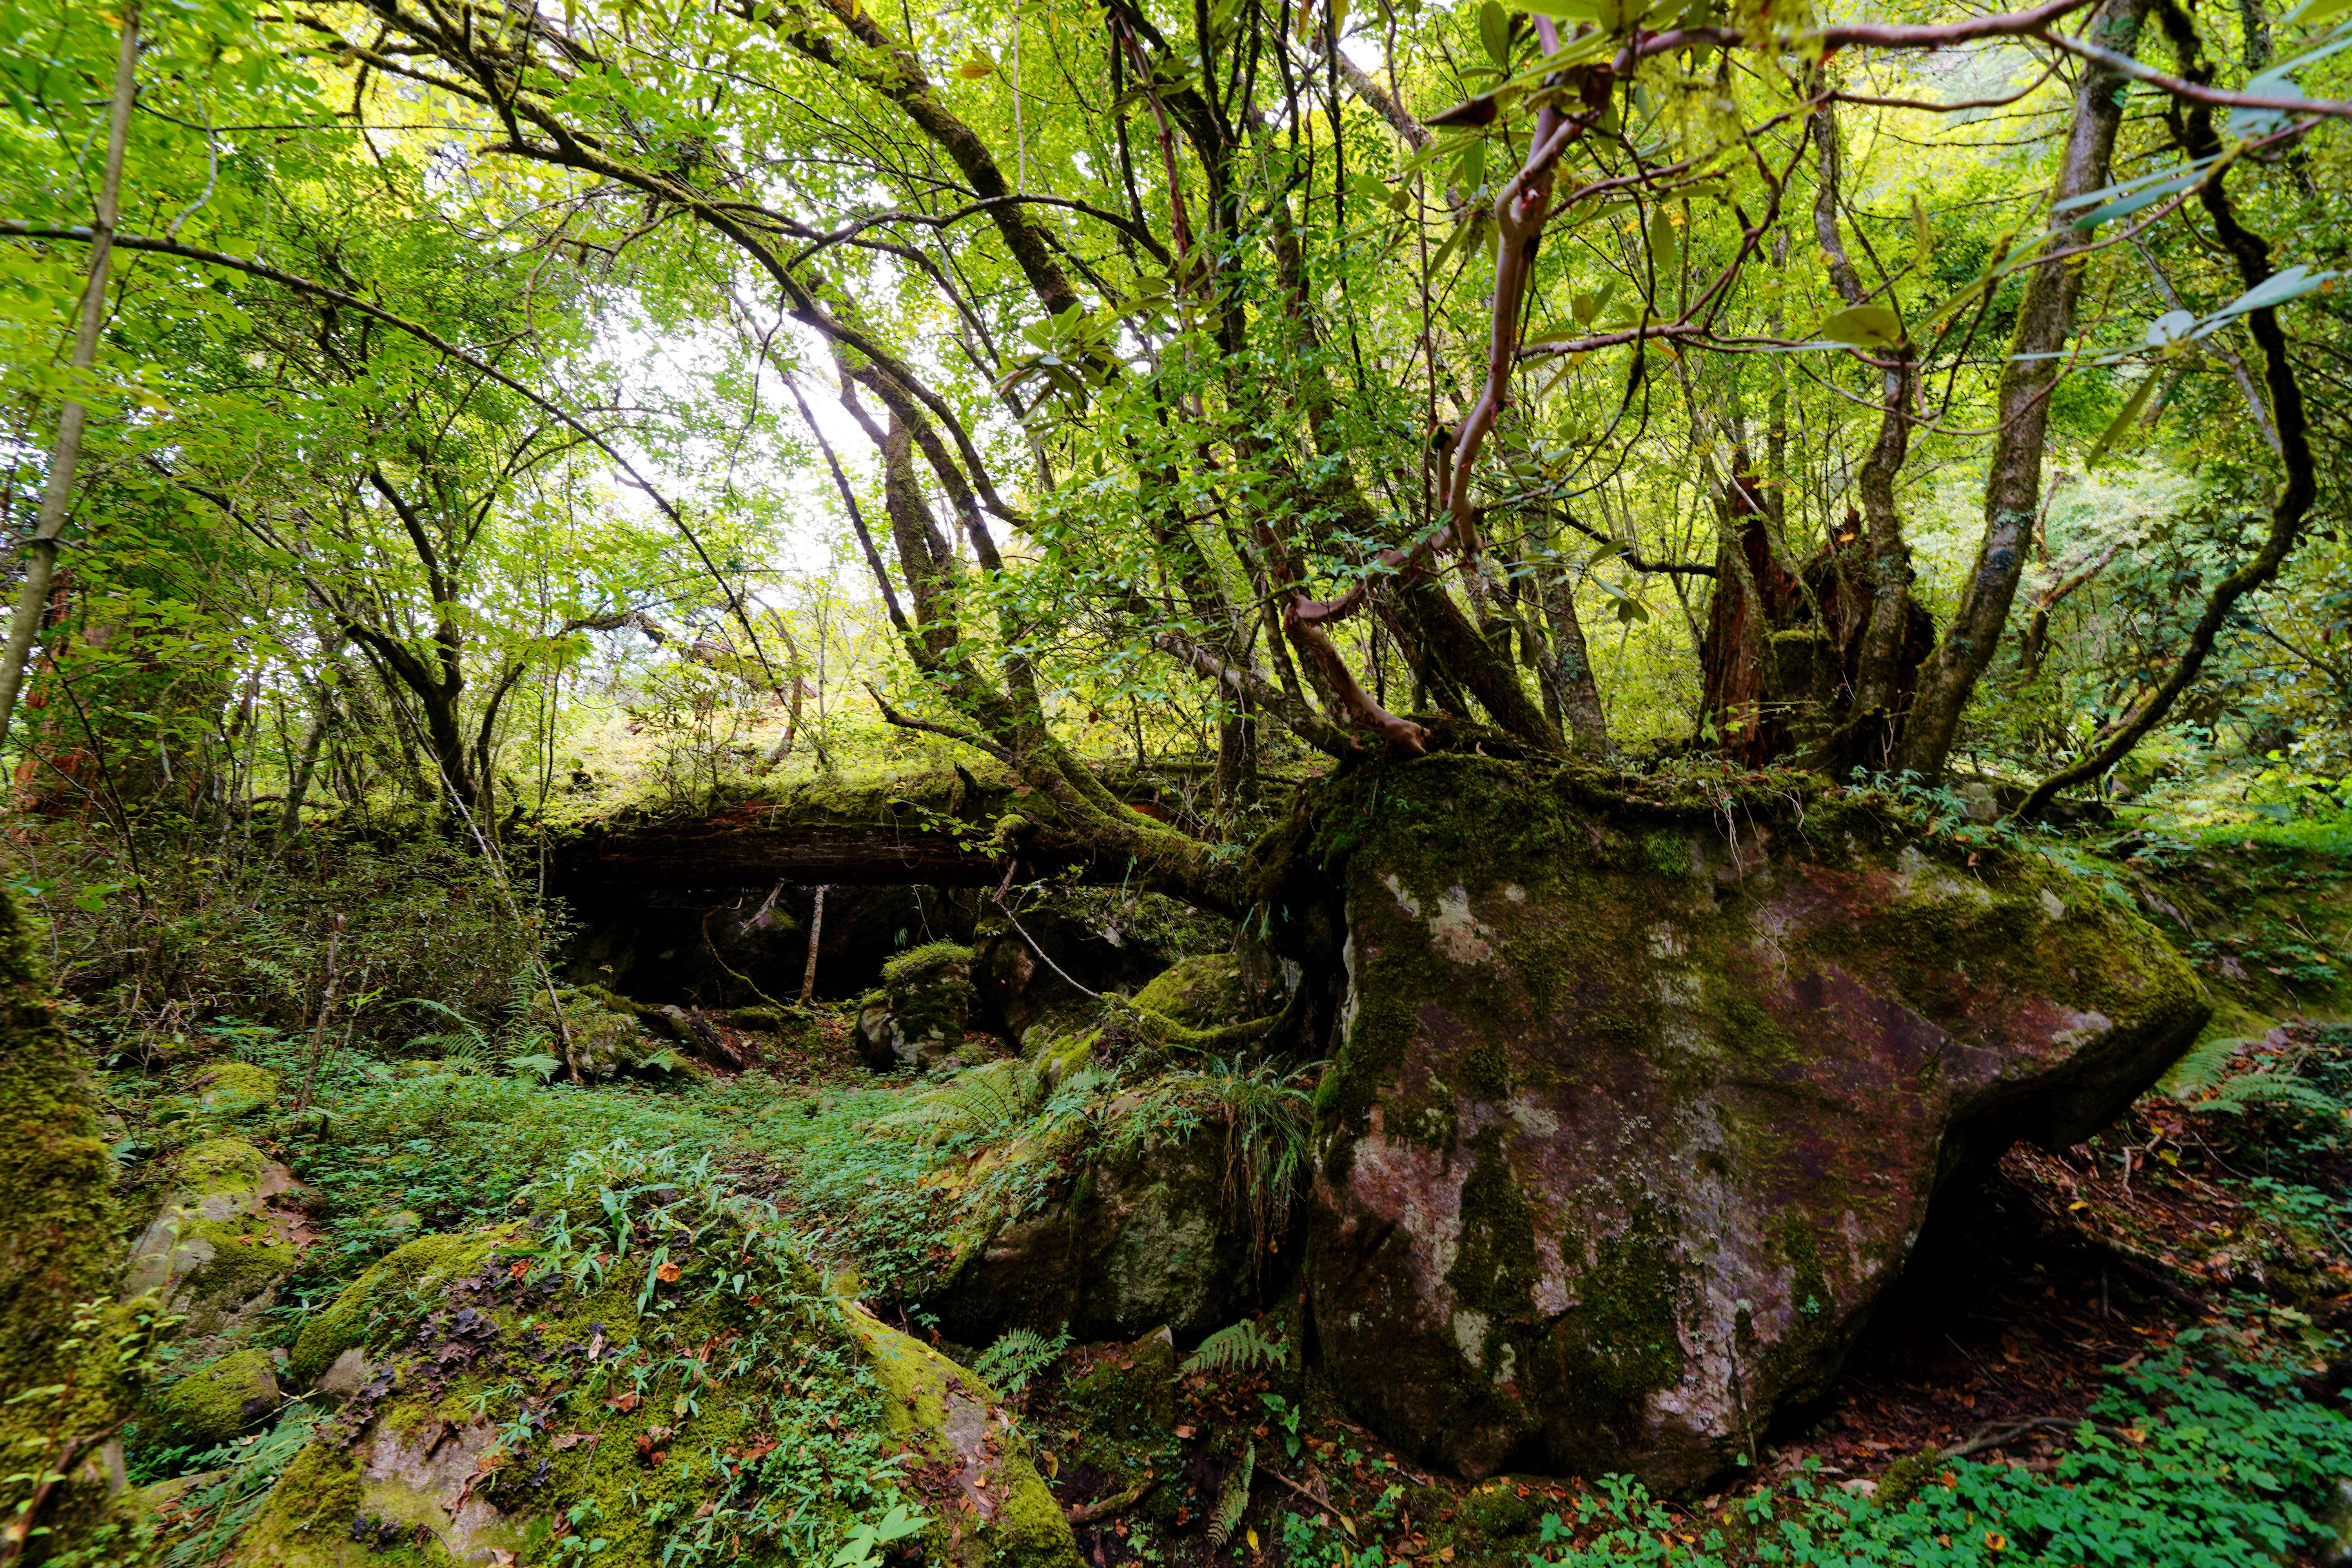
column 1633, row 1114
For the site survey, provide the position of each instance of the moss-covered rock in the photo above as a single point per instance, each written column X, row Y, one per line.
column 219, row 1248
column 1148, row 1234
column 919, row 1020
column 1203, row 993
column 57, row 1241
column 973, row 1461
column 606, row 1034
column 1634, row 1113
column 228, row 1091
column 526, row 1387
column 217, row 1400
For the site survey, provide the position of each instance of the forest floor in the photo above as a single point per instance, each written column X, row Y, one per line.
column 2129, row 1352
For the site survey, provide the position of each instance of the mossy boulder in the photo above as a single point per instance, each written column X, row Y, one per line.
column 1638, row 1104
column 918, row 1019
column 1203, row 993
column 526, row 1387
column 1147, row 1234
column 228, row 1091
column 607, row 1034
column 217, row 1400
column 221, row 1245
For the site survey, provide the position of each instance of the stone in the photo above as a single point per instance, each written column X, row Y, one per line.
column 1637, row 1105
column 441, row 1449
column 221, row 1245
column 1040, row 974
column 345, row 1375
column 1145, row 1236
column 918, row 1021
column 232, row 1089
column 217, row 1400
column 1205, row 991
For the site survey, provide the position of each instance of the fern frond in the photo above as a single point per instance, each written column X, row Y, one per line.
column 974, row 1103
column 1233, row 1499
column 2276, row 1090
column 1018, row 1355
column 1238, row 1349
column 2201, row 1068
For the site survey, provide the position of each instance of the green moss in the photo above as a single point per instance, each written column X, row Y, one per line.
column 917, row 960
column 1201, row 992
column 1494, row 1263
column 223, row 1166
column 1670, row 852
column 929, row 1401
column 58, row 1243
column 1625, row 1339
column 217, row 1400
column 1808, row 1287
column 307, row 1518
column 231, row 1090
column 418, row 1270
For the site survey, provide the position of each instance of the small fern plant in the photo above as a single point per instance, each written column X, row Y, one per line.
column 461, row 1045
column 1233, row 1499
column 1018, row 1355
column 1238, row 1349
column 2202, row 1082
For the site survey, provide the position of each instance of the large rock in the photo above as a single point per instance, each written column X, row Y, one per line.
column 1639, row 1106
column 221, row 1243
column 918, row 1020
column 1143, row 1237
column 507, row 1385
column 216, row 1401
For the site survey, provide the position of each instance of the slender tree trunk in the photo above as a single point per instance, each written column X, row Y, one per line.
column 290, row 821
column 816, row 934
column 41, row 549
column 1871, row 718
column 1568, row 671
column 2045, row 320
column 2298, row 486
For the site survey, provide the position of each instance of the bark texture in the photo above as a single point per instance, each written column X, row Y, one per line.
column 2045, row 322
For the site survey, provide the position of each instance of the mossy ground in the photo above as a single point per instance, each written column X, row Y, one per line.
column 449, row 1149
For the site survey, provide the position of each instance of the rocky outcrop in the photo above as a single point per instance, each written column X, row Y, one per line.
column 1146, row 1235
column 918, row 1020
column 1637, row 1107
column 218, row 1249
column 501, row 1390
column 217, row 1400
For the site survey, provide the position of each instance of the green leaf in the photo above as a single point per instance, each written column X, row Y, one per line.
column 1471, row 172
column 1665, row 252
column 2123, row 421
column 1863, row 326
column 1495, row 32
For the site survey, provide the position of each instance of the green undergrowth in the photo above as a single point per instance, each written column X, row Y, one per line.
column 2207, row 1454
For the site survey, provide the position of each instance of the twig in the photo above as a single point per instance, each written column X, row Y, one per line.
column 1118, row 1502
column 1992, row 1437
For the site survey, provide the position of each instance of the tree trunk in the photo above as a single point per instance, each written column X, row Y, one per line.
column 2045, row 320
column 58, row 1247
column 1754, row 597
column 41, row 549
column 816, row 934
column 1568, row 672
column 1879, row 681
